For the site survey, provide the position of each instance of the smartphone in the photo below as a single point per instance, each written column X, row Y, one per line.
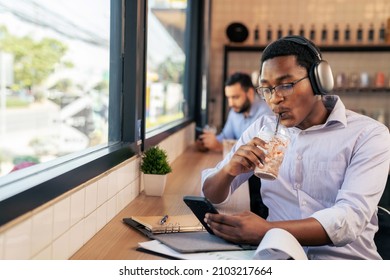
column 200, row 206
column 198, row 132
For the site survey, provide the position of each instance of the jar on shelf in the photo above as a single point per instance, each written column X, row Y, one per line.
column 341, row 81
column 364, row 80
column 380, row 80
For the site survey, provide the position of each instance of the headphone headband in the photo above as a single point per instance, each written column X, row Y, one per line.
column 302, row 41
column 320, row 73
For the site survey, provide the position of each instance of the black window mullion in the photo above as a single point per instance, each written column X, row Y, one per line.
column 134, row 73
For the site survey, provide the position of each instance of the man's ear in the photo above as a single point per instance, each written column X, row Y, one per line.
column 251, row 94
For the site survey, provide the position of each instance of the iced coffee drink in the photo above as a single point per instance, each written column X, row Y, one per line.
column 276, row 146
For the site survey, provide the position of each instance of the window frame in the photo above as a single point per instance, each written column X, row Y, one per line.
column 28, row 189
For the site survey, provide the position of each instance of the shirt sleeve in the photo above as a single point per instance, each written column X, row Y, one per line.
column 240, row 179
column 364, row 182
column 228, row 129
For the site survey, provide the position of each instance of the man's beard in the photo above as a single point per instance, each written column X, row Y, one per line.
column 245, row 107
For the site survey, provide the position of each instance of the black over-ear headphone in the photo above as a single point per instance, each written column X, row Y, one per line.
column 320, row 73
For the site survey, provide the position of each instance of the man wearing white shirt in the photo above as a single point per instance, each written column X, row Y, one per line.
column 334, row 170
column 245, row 107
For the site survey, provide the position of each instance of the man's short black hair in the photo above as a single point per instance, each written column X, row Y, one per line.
column 242, row 78
column 305, row 56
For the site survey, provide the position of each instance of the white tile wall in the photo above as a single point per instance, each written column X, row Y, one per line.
column 58, row 230
column 76, row 237
column 61, row 217
column 17, row 241
column 90, row 198
column 61, row 247
column 102, row 191
column 111, row 208
column 77, row 206
column 101, row 217
column 42, row 230
column 45, row 254
column 90, row 226
column 1, row 246
column 112, row 185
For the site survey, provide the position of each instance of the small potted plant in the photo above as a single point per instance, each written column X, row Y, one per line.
column 155, row 168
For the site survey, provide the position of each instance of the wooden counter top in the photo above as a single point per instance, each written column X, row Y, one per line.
column 118, row 241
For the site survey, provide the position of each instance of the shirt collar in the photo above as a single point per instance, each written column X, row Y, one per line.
column 337, row 114
column 337, row 110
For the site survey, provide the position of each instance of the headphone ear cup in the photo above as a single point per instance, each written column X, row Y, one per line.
column 321, row 78
column 313, row 79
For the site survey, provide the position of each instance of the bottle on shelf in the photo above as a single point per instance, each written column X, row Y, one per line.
column 364, row 80
column 380, row 80
column 336, row 34
column 382, row 33
column 359, row 34
column 269, row 33
column 324, row 35
column 312, row 35
column 347, row 34
column 371, row 34
column 290, row 30
column 279, row 32
column 302, row 31
column 256, row 35
column 341, row 81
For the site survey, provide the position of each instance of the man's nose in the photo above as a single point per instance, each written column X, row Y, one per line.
column 275, row 97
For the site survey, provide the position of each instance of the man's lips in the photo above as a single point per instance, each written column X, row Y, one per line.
column 281, row 112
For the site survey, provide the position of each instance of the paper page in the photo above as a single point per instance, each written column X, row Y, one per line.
column 158, row 247
column 279, row 244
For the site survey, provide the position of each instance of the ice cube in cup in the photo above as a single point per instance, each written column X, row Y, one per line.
column 276, row 146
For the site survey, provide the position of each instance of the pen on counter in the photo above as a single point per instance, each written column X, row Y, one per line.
column 163, row 220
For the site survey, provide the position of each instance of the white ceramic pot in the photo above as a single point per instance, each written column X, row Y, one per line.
column 154, row 184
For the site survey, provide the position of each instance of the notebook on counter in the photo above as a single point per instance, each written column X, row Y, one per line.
column 183, row 233
column 150, row 225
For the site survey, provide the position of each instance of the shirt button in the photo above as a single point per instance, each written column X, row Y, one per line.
column 298, row 186
column 303, row 203
column 299, row 157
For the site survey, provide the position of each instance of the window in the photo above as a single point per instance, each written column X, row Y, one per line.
column 166, row 58
column 86, row 49
column 109, row 71
column 54, row 79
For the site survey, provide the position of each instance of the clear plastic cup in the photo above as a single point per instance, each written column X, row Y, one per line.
column 277, row 145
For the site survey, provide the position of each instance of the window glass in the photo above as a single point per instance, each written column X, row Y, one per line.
column 54, row 79
column 165, row 100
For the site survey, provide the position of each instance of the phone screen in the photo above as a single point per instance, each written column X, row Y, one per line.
column 200, row 206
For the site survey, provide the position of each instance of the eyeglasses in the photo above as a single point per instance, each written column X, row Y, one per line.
column 283, row 89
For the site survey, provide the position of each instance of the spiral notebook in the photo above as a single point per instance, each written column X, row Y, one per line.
column 152, row 224
column 183, row 233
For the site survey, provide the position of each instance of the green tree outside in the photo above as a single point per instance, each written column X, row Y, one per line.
column 34, row 61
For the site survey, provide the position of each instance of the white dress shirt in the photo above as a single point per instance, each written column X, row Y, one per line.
column 336, row 173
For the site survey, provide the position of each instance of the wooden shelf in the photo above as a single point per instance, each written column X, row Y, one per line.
column 358, row 90
column 377, row 97
column 344, row 48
